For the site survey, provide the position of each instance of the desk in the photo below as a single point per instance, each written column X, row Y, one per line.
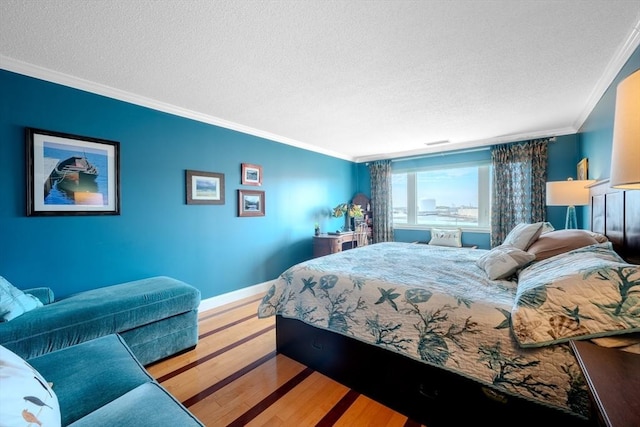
column 613, row 377
column 326, row 244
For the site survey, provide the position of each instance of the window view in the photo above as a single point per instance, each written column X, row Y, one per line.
column 447, row 195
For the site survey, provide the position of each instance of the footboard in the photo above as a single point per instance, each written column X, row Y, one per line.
column 426, row 394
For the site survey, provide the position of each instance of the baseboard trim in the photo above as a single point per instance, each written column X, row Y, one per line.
column 217, row 301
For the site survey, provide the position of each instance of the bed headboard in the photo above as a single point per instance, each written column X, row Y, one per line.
column 616, row 214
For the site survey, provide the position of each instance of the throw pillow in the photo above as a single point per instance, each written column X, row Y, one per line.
column 503, row 261
column 26, row 398
column 14, row 302
column 561, row 241
column 523, row 235
column 446, row 237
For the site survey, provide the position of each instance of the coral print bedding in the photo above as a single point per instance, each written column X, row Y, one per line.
column 586, row 293
column 436, row 305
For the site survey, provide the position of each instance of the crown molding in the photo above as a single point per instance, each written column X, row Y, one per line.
column 46, row 74
column 465, row 145
column 618, row 61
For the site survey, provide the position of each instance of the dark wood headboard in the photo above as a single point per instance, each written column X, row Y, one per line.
column 616, row 214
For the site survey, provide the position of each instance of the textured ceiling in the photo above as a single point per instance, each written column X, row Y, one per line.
column 359, row 80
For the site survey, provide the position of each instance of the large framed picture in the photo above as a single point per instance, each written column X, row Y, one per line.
column 250, row 203
column 204, row 188
column 71, row 174
column 251, row 174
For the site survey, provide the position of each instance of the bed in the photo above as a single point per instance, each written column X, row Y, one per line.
column 457, row 335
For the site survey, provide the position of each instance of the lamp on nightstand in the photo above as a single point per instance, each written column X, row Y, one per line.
column 625, row 153
column 570, row 193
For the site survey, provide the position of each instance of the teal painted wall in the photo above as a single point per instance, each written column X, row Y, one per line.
column 596, row 134
column 157, row 233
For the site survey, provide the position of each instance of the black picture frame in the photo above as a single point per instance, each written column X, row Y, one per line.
column 71, row 174
column 204, row 188
column 251, row 203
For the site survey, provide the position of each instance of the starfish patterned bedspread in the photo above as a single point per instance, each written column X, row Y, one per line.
column 432, row 304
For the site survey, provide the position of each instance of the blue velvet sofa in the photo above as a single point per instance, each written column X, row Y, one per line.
column 157, row 317
column 99, row 383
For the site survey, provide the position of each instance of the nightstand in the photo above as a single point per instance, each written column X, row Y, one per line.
column 613, row 377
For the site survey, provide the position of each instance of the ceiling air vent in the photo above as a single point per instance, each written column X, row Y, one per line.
column 445, row 141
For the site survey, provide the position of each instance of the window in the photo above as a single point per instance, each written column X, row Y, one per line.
column 455, row 195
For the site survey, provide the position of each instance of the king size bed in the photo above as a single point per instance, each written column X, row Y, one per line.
column 458, row 335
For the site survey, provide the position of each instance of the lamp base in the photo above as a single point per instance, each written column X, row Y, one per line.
column 572, row 220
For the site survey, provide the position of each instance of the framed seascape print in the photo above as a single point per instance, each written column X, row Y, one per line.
column 250, row 203
column 583, row 169
column 71, row 174
column 251, row 174
column 204, row 188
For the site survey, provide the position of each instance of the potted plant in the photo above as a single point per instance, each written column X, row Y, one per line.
column 349, row 210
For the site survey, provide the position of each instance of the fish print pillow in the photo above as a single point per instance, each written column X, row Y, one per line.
column 585, row 293
column 25, row 397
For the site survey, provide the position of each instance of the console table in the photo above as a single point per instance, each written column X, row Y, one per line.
column 613, row 377
column 326, row 244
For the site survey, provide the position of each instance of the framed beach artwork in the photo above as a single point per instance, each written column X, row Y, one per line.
column 250, row 203
column 71, row 174
column 204, row 188
column 251, row 174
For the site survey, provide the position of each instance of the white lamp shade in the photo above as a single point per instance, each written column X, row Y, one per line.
column 568, row 193
column 625, row 153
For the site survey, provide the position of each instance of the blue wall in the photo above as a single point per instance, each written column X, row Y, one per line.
column 157, row 233
column 596, row 134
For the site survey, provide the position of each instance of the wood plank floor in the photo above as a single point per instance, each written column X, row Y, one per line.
column 235, row 378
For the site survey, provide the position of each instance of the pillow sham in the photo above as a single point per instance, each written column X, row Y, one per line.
column 523, row 235
column 561, row 241
column 503, row 261
column 589, row 292
column 446, row 237
column 26, row 398
column 14, row 302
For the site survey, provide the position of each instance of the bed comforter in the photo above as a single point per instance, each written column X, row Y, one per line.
column 432, row 304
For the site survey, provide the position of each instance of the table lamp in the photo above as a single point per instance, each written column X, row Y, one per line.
column 570, row 193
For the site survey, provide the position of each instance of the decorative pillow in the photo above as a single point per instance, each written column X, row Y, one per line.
column 26, row 398
column 14, row 302
column 523, row 235
column 589, row 292
column 546, row 228
column 504, row 260
column 600, row 238
column 561, row 241
column 446, row 237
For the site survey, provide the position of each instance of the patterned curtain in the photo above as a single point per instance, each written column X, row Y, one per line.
column 519, row 186
column 380, row 172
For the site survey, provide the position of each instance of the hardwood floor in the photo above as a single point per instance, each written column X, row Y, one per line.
column 235, row 378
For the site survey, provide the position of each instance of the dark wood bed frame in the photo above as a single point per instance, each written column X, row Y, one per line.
column 434, row 396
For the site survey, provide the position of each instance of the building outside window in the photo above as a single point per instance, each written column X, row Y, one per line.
column 453, row 195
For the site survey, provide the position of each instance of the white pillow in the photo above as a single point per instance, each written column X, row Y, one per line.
column 523, row 235
column 26, row 398
column 14, row 302
column 504, row 260
column 446, row 237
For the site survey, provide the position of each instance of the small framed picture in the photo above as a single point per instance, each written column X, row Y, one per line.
column 583, row 169
column 71, row 174
column 250, row 203
column 204, row 188
column 251, row 174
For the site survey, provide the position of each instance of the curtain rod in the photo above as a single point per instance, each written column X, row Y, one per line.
column 449, row 153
